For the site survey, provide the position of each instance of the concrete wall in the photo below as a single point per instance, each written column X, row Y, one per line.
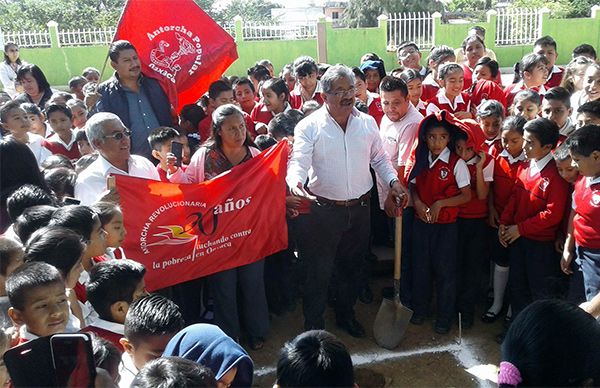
column 343, row 45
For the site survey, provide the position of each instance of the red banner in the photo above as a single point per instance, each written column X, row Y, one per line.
column 178, row 44
column 182, row 232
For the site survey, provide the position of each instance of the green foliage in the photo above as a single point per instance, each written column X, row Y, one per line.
column 560, row 8
column 254, row 10
column 363, row 13
column 465, row 5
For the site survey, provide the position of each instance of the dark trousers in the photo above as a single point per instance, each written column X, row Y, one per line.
column 434, row 260
column 471, row 257
column 589, row 260
column 339, row 239
column 534, row 271
column 255, row 314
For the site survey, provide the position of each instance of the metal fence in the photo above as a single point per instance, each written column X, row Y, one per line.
column 278, row 31
column 26, row 38
column 86, row 37
column 517, row 26
column 229, row 27
column 410, row 26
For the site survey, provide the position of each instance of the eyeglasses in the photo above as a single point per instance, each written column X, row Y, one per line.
column 343, row 93
column 119, row 135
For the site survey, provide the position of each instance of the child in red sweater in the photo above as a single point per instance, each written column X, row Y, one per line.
column 451, row 96
column 530, row 221
column 506, row 169
column 63, row 141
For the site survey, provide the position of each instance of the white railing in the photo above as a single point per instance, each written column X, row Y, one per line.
column 517, row 26
column 86, row 37
column 410, row 26
column 229, row 27
column 277, row 31
column 26, row 38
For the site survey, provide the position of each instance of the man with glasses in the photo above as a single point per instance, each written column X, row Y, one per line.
column 111, row 139
column 409, row 57
column 333, row 148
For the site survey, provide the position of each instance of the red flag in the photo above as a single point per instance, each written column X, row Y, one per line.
column 182, row 232
column 178, row 44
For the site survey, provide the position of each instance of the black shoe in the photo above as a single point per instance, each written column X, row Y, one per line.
column 352, row 326
column 466, row 321
column 489, row 317
column 417, row 319
column 256, row 343
column 366, row 295
column 442, row 326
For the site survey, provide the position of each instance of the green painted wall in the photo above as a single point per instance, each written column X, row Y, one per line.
column 343, row 46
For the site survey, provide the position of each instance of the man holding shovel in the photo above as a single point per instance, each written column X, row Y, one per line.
column 333, row 149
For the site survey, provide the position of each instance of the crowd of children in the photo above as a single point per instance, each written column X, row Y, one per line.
column 504, row 183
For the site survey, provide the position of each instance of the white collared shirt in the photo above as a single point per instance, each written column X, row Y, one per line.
column 536, row 166
column 555, row 69
column 113, row 327
column 510, row 158
column 91, row 183
column 26, row 334
column 127, row 371
column 335, row 161
column 35, row 145
column 443, row 99
column 298, row 90
column 461, row 171
column 57, row 139
column 488, row 170
column 421, row 105
column 568, row 128
column 398, row 138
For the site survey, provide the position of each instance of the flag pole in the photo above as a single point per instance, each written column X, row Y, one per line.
column 111, row 41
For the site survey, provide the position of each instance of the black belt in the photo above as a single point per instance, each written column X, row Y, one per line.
column 362, row 200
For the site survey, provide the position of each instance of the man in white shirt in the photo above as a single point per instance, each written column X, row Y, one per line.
column 109, row 137
column 333, row 148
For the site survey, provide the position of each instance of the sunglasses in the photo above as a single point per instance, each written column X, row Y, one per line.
column 119, row 135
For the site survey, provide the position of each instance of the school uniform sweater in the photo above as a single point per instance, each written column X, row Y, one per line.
column 261, row 114
column 492, row 147
column 110, row 331
column 55, row 145
column 506, row 170
column 296, row 99
column 375, row 108
column 461, row 103
column 555, row 78
column 477, row 208
column 586, row 204
column 511, row 90
column 538, row 201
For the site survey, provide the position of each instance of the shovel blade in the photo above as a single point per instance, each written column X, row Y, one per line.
column 390, row 323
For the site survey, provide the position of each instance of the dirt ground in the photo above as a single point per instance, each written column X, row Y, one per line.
column 423, row 358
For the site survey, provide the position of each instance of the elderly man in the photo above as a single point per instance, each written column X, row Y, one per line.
column 109, row 137
column 333, row 148
column 139, row 101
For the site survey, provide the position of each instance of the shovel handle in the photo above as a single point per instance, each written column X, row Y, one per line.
column 397, row 247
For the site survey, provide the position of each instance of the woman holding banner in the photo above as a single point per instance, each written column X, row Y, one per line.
column 229, row 146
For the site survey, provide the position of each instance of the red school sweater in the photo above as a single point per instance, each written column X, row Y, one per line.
column 505, row 177
column 586, row 222
column 439, row 101
column 439, row 182
column 475, row 208
column 537, row 203
column 296, row 99
column 57, row 148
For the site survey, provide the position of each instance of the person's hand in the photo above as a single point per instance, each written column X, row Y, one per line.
column 463, row 115
column 111, row 196
column 399, row 194
column 481, row 162
column 587, row 307
column 300, row 191
column 422, row 211
column 559, row 244
column 493, row 218
column 434, row 212
column 292, row 202
column 565, row 262
column 171, row 163
column 501, row 232
column 261, row 128
column 91, row 95
column 511, row 234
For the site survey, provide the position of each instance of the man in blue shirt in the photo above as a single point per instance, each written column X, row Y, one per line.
column 139, row 101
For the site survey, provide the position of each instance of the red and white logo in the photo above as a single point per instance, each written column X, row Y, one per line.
column 444, row 173
column 544, row 184
column 595, row 200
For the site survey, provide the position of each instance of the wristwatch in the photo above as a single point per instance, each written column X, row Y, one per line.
column 393, row 181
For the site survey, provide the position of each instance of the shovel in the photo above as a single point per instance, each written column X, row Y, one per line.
column 392, row 318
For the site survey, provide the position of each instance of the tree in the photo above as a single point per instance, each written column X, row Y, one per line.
column 254, row 10
column 560, row 8
column 364, row 13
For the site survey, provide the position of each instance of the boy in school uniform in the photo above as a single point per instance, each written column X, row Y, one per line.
column 112, row 287
column 583, row 236
column 13, row 119
column 439, row 183
column 63, row 141
column 530, row 221
column 37, row 294
column 160, row 140
column 556, row 106
column 220, row 93
column 490, row 115
column 11, row 257
column 588, row 113
column 308, row 87
column 150, row 324
column 451, row 97
column 546, row 46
